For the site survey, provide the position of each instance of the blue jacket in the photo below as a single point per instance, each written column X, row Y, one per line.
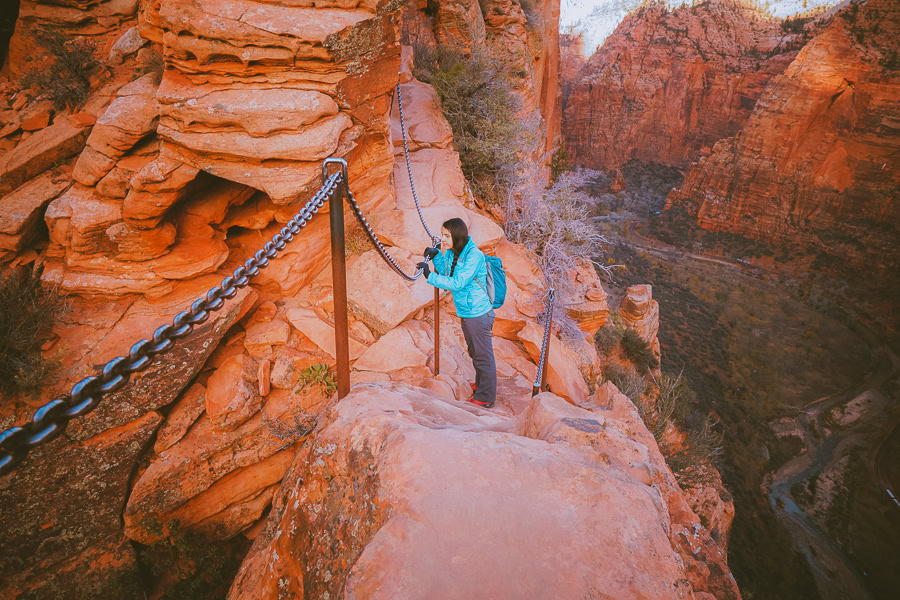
column 468, row 283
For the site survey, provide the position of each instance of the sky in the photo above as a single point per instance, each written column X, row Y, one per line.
column 599, row 18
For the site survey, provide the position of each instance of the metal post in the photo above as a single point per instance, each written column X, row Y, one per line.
column 339, row 277
column 437, row 331
column 547, row 354
column 541, row 385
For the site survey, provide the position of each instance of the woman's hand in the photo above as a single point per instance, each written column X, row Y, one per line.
column 426, row 270
column 430, row 253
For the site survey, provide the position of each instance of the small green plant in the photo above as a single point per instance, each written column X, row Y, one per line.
column 319, row 375
column 27, row 310
column 638, row 352
column 66, row 81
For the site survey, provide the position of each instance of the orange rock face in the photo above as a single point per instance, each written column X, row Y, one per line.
column 815, row 164
column 665, row 84
column 360, row 518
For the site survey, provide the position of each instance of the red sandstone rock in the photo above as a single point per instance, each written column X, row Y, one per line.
column 667, row 82
column 45, row 148
column 563, row 375
column 814, row 162
column 184, row 414
column 369, row 540
column 131, row 116
column 21, row 210
column 231, row 397
column 640, row 311
column 36, row 121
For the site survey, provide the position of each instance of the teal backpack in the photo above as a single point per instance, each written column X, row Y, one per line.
column 496, row 281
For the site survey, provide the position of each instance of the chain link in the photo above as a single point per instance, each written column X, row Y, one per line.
column 435, row 241
column 546, row 342
column 354, row 205
column 51, row 419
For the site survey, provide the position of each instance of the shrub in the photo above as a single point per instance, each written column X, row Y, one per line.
column 65, row 81
column 628, row 381
column 560, row 162
column 27, row 309
column 638, row 352
column 478, row 102
column 691, row 462
column 608, row 338
column 676, row 398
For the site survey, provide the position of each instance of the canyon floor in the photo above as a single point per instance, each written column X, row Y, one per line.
column 807, row 399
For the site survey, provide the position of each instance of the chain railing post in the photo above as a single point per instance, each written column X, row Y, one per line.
column 541, row 383
column 339, row 277
column 437, row 331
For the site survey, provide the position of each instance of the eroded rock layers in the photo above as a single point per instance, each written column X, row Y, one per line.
column 665, row 86
column 816, row 165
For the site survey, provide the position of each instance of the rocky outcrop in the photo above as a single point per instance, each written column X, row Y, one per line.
column 666, row 85
column 359, row 518
column 815, row 165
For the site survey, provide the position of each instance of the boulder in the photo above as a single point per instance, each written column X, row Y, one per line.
column 393, row 351
column 43, row 149
column 21, row 211
column 563, row 375
column 380, row 297
column 320, row 332
column 232, row 395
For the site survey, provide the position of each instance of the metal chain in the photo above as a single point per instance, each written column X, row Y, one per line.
column 546, row 342
column 52, row 418
column 435, row 241
column 354, row 205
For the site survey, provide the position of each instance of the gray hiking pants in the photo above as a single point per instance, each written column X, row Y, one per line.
column 477, row 332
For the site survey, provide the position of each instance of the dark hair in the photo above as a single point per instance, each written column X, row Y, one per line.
column 460, row 235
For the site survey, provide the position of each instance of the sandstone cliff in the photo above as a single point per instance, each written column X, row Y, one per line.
column 668, row 84
column 816, row 164
column 160, row 185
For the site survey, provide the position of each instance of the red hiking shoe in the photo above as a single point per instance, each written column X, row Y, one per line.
column 480, row 403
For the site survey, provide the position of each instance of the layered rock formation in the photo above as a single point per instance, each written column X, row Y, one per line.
column 666, row 85
column 816, row 166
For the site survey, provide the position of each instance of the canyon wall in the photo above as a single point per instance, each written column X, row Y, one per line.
column 816, row 164
column 668, row 84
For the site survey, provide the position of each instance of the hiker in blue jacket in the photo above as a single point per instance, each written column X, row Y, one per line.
column 462, row 269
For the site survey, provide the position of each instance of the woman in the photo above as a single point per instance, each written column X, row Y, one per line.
column 462, row 269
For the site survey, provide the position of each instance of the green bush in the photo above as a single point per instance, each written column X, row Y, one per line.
column 638, row 352
column 27, row 310
column 478, row 102
column 608, row 338
column 66, row 82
